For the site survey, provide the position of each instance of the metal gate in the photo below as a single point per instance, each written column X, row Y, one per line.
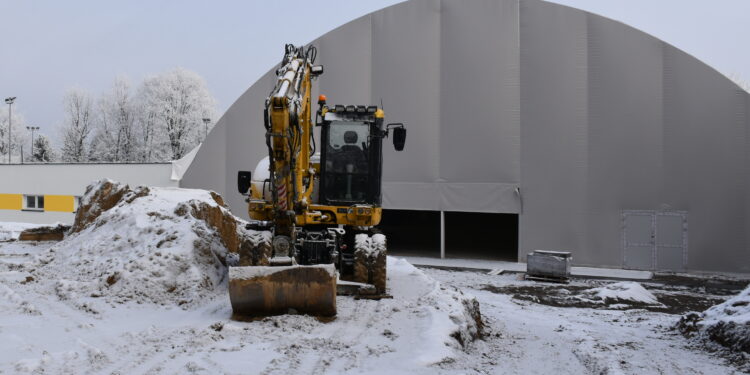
column 654, row 240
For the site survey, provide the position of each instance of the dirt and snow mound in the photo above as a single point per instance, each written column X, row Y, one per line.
column 158, row 245
column 726, row 324
column 623, row 292
column 452, row 318
column 44, row 233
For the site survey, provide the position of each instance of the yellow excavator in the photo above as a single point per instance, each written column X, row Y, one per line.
column 320, row 209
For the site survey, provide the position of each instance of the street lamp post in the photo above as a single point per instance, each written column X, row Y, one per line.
column 206, row 120
column 9, row 102
column 32, row 128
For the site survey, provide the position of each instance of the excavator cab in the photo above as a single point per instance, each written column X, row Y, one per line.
column 352, row 153
column 350, row 163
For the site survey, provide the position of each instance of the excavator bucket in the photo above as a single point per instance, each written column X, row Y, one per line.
column 262, row 290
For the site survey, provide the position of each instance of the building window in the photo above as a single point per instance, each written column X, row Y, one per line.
column 33, row 202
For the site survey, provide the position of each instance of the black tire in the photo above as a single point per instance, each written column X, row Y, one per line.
column 361, row 267
column 369, row 265
column 378, row 272
column 255, row 253
column 377, row 265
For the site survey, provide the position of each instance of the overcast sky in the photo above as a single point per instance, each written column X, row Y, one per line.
column 50, row 46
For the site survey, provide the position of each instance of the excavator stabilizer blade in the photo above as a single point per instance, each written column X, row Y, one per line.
column 262, row 290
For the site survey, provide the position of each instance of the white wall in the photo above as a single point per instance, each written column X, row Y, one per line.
column 72, row 179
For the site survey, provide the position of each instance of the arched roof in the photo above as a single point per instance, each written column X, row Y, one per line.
column 529, row 107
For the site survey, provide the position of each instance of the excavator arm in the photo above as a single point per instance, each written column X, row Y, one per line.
column 288, row 137
column 284, row 285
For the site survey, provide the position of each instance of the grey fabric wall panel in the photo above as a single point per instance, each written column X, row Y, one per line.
column 345, row 54
column 207, row 171
column 746, row 228
column 553, row 129
column 624, row 132
column 406, row 76
column 245, row 140
column 704, row 139
column 479, row 111
column 411, row 195
column 479, row 197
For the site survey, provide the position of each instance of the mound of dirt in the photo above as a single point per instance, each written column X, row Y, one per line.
column 100, row 197
column 725, row 327
column 623, row 295
column 45, row 233
column 150, row 245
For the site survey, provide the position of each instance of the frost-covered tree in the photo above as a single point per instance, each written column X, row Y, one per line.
column 162, row 122
column 17, row 135
column 147, row 133
column 172, row 107
column 43, row 151
column 77, row 126
column 115, row 138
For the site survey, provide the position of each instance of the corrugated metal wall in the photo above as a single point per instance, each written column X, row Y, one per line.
column 530, row 107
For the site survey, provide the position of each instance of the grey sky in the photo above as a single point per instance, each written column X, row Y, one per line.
column 50, row 46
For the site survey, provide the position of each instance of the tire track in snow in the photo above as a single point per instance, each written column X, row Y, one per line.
column 344, row 330
column 48, row 304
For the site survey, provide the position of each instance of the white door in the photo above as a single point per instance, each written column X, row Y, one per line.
column 654, row 240
column 671, row 241
column 638, row 239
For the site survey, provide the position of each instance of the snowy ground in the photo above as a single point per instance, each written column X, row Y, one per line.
column 539, row 328
column 531, row 328
column 10, row 231
column 46, row 331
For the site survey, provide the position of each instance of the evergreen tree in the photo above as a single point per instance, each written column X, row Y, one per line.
column 43, row 151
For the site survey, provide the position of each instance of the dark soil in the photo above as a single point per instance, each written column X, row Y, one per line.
column 711, row 285
column 678, row 294
column 44, row 233
column 675, row 300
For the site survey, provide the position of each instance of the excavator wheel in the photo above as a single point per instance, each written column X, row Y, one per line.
column 361, row 265
column 255, row 252
column 370, row 260
column 378, row 264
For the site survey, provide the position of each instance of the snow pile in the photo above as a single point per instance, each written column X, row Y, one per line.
column 735, row 310
column 726, row 324
column 623, row 292
column 12, row 301
column 374, row 246
column 449, row 318
column 158, row 245
column 249, row 273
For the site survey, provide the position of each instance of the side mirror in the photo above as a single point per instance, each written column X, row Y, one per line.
column 243, row 182
column 399, row 136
